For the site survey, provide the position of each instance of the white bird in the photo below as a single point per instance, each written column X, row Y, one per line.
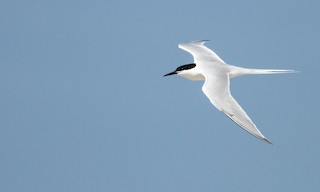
column 208, row 66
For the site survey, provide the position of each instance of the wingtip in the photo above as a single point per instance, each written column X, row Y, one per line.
column 201, row 41
column 267, row 141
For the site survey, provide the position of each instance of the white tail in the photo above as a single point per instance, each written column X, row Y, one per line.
column 269, row 71
column 237, row 71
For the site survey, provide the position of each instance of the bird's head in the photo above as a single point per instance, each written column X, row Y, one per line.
column 182, row 69
column 187, row 71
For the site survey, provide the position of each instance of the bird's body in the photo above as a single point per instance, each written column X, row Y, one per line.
column 208, row 66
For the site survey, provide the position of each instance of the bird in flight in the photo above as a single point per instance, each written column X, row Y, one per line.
column 208, row 66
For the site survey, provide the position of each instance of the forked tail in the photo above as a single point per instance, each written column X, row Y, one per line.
column 269, row 71
column 237, row 71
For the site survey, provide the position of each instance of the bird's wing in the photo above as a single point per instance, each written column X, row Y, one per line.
column 201, row 52
column 217, row 89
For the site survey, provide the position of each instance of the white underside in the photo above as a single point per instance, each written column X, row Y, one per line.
column 216, row 73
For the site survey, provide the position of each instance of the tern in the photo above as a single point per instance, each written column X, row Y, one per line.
column 208, row 66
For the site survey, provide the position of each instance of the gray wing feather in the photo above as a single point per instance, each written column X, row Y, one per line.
column 201, row 52
column 216, row 88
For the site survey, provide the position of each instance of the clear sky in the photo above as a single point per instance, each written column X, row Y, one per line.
column 84, row 106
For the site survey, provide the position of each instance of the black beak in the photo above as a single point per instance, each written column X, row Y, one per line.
column 172, row 73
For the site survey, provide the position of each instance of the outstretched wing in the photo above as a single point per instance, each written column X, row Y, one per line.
column 216, row 88
column 200, row 52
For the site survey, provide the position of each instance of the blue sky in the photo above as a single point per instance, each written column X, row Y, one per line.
column 84, row 106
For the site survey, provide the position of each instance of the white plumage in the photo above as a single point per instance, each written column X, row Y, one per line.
column 210, row 67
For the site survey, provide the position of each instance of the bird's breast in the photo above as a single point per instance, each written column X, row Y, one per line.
column 192, row 76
